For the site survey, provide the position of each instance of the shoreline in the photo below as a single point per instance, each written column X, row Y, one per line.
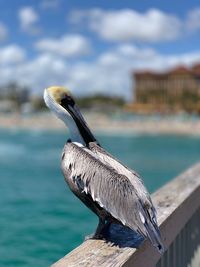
column 102, row 123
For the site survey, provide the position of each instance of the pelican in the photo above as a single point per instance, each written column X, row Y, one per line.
column 110, row 189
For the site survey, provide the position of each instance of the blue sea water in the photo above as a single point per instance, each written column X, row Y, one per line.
column 40, row 219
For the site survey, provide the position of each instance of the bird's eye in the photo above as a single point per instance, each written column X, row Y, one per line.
column 67, row 100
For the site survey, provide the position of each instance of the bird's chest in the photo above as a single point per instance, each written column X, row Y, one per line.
column 73, row 173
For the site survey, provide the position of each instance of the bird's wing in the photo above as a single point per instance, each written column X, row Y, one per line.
column 132, row 176
column 147, row 222
column 110, row 189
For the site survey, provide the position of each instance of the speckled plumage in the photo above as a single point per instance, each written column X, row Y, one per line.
column 106, row 186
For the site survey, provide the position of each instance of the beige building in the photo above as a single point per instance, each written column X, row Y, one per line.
column 172, row 91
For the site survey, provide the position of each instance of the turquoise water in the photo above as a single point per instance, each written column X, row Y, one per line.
column 40, row 219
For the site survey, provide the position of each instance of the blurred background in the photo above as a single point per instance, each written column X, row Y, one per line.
column 134, row 70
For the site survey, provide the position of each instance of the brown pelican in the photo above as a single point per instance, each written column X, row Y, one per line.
column 110, row 189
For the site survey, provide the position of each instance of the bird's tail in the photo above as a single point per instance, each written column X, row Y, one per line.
column 153, row 233
column 150, row 228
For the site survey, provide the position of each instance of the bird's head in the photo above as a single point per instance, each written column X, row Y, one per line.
column 57, row 93
column 60, row 101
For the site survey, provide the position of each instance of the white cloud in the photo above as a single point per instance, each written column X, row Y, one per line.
column 128, row 24
column 38, row 73
column 110, row 73
column 193, row 20
column 3, row 31
column 28, row 18
column 43, row 71
column 11, row 54
column 50, row 4
column 71, row 45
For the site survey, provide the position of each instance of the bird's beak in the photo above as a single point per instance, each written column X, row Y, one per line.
column 76, row 114
column 80, row 122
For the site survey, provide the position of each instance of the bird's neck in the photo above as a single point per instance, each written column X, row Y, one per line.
column 74, row 133
column 80, row 132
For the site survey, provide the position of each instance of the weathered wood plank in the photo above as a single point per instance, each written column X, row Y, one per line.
column 176, row 202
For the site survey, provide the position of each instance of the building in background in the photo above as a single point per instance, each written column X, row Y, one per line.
column 13, row 97
column 173, row 91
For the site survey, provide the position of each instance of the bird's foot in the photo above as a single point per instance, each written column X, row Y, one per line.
column 101, row 231
column 94, row 236
column 88, row 237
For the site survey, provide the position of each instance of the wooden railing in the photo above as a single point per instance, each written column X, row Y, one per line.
column 178, row 207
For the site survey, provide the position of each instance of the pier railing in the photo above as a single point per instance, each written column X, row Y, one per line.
column 178, row 206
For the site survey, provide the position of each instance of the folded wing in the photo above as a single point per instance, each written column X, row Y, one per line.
column 113, row 186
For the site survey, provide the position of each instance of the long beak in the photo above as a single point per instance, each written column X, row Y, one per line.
column 81, row 124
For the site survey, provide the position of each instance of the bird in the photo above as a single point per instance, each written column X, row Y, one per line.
column 114, row 192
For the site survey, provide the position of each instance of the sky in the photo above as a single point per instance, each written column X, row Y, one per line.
column 94, row 47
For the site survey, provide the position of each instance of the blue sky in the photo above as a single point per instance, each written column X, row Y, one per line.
column 94, row 46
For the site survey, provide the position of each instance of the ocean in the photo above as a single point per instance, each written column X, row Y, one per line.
column 40, row 219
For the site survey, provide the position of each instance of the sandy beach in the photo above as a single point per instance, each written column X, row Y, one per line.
column 103, row 123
